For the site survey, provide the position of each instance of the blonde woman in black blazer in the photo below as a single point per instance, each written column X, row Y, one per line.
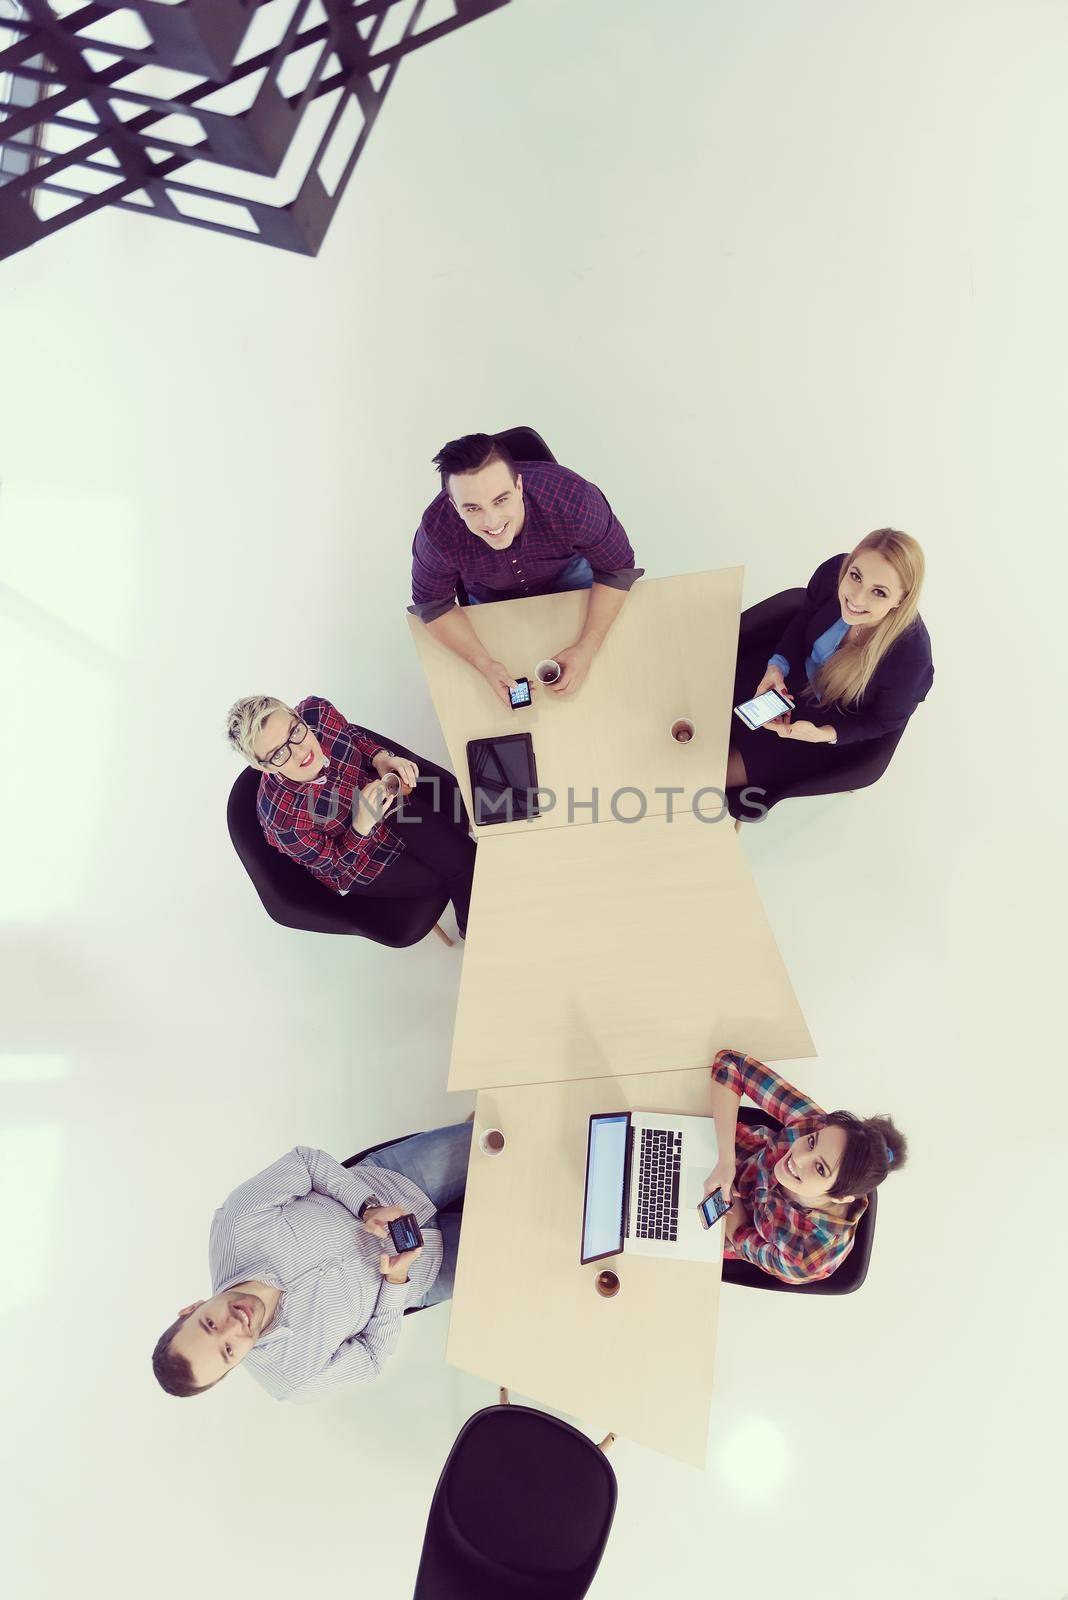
column 855, row 661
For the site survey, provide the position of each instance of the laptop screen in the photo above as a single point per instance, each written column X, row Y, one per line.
column 606, row 1174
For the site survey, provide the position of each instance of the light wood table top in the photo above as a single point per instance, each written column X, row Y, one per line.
column 670, row 654
column 526, row 1314
column 624, row 948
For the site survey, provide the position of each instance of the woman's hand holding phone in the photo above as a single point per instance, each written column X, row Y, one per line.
column 721, row 1177
column 773, row 679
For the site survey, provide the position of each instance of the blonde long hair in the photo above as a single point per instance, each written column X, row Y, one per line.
column 846, row 674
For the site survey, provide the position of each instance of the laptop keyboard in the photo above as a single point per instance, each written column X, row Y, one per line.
column 659, row 1156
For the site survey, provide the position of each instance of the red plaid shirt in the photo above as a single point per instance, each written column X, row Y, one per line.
column 312, row 822
column 793, row 1242
column 564, row 516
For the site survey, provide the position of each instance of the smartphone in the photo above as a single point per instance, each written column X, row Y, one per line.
column 405, row 1233
column 713, row 1208
column 520, row 695
column 766, row 706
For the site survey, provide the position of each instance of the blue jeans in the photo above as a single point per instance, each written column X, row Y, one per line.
column 437, row 1163
column 578, row 574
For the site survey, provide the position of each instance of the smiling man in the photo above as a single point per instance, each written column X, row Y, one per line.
column 305, row 1289
column 506, row 530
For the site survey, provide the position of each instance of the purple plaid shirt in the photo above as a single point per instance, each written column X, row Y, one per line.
column 564, row 517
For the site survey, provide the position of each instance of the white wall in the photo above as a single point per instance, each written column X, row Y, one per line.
column 772, row 274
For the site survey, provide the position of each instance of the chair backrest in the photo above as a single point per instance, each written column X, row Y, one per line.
column 523, row 444
column 847, row 1278
column 524, row 1506
column 289, row 893
column 767, row 619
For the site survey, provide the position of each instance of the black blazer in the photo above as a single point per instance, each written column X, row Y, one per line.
column 901, row 680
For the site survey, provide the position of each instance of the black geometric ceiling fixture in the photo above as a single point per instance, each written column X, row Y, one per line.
column 243, row 116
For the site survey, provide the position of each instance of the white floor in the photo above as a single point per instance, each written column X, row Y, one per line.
column 772, row 274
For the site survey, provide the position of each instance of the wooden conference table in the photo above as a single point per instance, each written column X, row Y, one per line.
column 625, row 947
column 526, row 1314
column 670, row 654
column 606, row 961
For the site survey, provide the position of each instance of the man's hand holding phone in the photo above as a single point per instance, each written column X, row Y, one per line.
column 520, row 696
column 376, row 1219
column 395, row 1268
column 499, row 679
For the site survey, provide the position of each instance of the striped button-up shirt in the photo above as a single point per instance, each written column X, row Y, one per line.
column 564, row 517
column 793, row 1242
column 312, row 822
column 294, row 1226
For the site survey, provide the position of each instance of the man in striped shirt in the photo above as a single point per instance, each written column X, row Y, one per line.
column 305, row 1290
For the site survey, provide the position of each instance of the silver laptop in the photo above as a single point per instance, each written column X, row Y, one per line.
column 645, row 1177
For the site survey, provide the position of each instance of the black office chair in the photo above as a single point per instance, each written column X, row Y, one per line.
column 294, row 898
column 848, row 1277
column 361, row 1155
column 522, row 444
column 856, row 767
column 523, row 1507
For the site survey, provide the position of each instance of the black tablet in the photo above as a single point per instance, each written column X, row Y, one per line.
column 504, row 779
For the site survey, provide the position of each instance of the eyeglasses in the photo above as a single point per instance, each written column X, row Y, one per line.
column 297, row 735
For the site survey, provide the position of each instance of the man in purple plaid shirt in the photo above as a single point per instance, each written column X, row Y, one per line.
column 504, row 530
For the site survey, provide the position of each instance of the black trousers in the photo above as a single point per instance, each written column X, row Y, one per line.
column 438, row 855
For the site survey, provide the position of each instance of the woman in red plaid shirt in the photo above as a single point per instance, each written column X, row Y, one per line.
column 798, row 1191
column 323, row 801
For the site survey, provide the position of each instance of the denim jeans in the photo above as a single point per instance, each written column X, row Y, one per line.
column 437, row 1163
column 578, row 574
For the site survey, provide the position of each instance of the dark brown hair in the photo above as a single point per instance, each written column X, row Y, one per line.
column 470, row 454
column 873, row 1147
column 173, row 1372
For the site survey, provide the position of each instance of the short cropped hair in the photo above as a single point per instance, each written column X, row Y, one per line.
column 173, row 1372
column 244, row 721
column 470, row 454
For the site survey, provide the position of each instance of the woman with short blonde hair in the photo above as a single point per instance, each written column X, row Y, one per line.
column 334, row 799
column 247, row 718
